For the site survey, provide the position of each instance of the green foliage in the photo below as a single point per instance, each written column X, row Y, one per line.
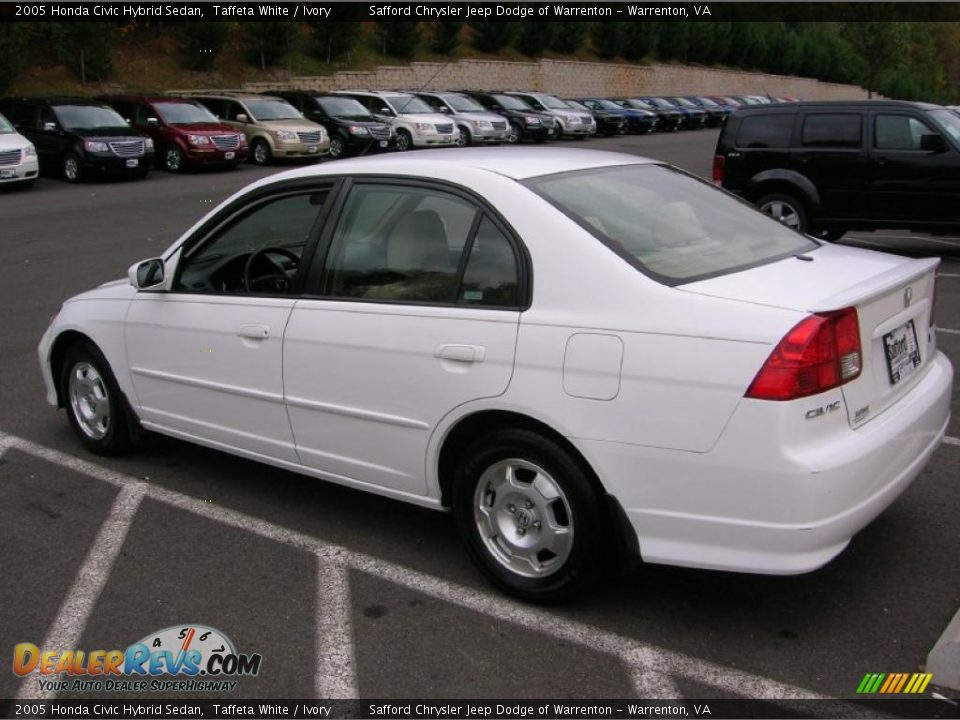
column 639, row 40
column 674, row 40
column 331, row 41
column 85, row 47
column 535, row 36
column 268, row 42
column 445, row 38
column 399, row 39
column 568, row 37
column 492, row 37
column 200, row 43
column 607, row 39
column 13, row 46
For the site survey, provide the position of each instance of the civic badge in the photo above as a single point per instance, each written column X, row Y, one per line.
column 907, row 297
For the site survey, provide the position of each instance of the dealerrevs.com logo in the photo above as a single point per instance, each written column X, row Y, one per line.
column 187, row 658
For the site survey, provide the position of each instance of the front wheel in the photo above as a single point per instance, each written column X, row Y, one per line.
column 173, row 160
column 529, row 517
column 72, row 169
column 464, row 139
column 404, row 140
column 260, row 152
column 95, row 405
column 515, row 133
column 338, row 148
column 786, row 208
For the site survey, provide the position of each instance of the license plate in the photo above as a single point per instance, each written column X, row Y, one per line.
column 383, row 143
column 902, row 351
column 132, row 163
column 4, row 174
column 312, row 149
column 229, row 155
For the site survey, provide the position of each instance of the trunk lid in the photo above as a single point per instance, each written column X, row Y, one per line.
column 893, row 297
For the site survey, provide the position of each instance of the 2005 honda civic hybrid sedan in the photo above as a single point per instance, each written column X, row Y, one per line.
column 586, row 356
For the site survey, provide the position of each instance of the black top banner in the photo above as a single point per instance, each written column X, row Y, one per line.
column 482, row 11
column 460, row 709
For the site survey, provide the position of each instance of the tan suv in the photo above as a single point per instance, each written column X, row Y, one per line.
column 274, row 128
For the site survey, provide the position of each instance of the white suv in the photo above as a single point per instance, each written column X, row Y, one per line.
column 18, row 156
column 415, row 122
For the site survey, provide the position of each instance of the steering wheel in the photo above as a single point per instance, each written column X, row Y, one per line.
column 280, row 280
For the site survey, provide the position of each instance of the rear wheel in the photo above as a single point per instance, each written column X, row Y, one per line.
column 529, row 517
column 786, row 208
column 95, row 405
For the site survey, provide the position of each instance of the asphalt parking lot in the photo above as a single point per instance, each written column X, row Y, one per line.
column 348, row 594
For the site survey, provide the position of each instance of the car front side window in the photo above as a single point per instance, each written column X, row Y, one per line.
column 899, row 132
column 255, row 252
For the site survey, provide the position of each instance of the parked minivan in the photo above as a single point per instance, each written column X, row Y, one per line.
column 78, row 138
column 829, row 167
column 18, row 157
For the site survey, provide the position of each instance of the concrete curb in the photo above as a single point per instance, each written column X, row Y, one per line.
column 944, row 660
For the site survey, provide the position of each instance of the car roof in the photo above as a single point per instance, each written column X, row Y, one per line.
column 448, row 163
column 58, row 100
column 839, row 104
column 150, row 99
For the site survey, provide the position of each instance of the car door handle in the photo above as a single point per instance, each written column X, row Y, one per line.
column 254, row 332
column 461, row 353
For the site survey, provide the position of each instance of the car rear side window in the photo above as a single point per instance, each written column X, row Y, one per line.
column 765, row 131
column 673, row 227
column 834, row 130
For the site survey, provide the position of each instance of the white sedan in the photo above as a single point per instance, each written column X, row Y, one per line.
column 584, row 355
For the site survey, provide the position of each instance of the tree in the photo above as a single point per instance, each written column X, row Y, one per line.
column 674, row 40
column 13, row 47
column 445, row 38
column 85, row 47
column 639, row 40
column 332, row 41
column 748, row 49
column 568, row 37
column 492, row 37
column 267, row 42
column 879, row 44
column 606, row 39
column 399, row 38
column 534, row 37
column 200, row 43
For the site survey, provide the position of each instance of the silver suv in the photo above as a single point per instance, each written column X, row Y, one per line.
column 476, row 125
column 415, row 122
column 570, row 121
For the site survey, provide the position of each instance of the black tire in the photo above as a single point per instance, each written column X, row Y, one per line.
column 787, row 208
column 111, row 436
column 260, row 153
column 465, row 139
column 516, row 134
column 578, row 508
column 338, row 148
column 173, row 159
column 404, row 140
column 72, row 168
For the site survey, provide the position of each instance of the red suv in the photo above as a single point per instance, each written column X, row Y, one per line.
column 184, row 132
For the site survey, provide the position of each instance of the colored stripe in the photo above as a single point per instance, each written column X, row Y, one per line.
column 903, row 680
column 862, row 687
column 879, row 681
column 913, row 681
column 890, row 680
column 926, row 681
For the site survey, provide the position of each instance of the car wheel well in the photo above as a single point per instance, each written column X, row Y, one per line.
column 58, row 354
column 768, row 187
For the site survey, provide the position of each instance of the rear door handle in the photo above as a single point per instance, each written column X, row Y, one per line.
column 254, row 332
column 461, row 353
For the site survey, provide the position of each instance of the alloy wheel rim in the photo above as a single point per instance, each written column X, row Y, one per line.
column 89, row 401
column 173, row 159
column 336, row 148
column 260, row 154
column 514, row 135
column 70, row 168
column 782, row 211
column 523, row 518
column 402, row 142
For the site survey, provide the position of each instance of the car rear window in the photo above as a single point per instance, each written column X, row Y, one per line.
column 670, row 225
column 834, row 130
column 765, row 131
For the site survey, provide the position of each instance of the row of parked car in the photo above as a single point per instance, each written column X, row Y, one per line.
column 126, row 135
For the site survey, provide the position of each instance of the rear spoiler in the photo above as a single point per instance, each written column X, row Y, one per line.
column 878, row 285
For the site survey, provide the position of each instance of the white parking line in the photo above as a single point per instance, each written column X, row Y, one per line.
column 949, row 275
column 948, row 331
column 653, row 668
column 951, row 440
column 336, row 676
column 952, row 242
column 64, row 633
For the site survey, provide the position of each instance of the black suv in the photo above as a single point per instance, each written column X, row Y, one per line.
column 525, row 122
column 351, row 127
column 828, row 167
column 79, row 138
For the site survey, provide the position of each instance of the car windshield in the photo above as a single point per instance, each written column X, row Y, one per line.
column 575, row 105
column 184, row 113
column 408, row 105
column 949, row 122
column 638, row 104
column 5, row 126
column 661, row 103
column 272, row 110
column 608, row 105
column 671, row 225
column 343, row 107
column 88, row 117
column 553, row 103
column 461, row 103
column 511, row 103
column 707, row 102
column 683, row 101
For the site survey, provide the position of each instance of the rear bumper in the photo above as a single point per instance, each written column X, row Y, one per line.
column 776, row 507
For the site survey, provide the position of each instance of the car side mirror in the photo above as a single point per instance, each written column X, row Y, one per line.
column 386, row 111
column 242, row 117
column 444, row 109
column 49, row 127
column 932, row 142
column 152, row 121
column 147, row 275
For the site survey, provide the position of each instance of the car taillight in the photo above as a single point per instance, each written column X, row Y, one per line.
column 718, row 161
column 820, row 353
